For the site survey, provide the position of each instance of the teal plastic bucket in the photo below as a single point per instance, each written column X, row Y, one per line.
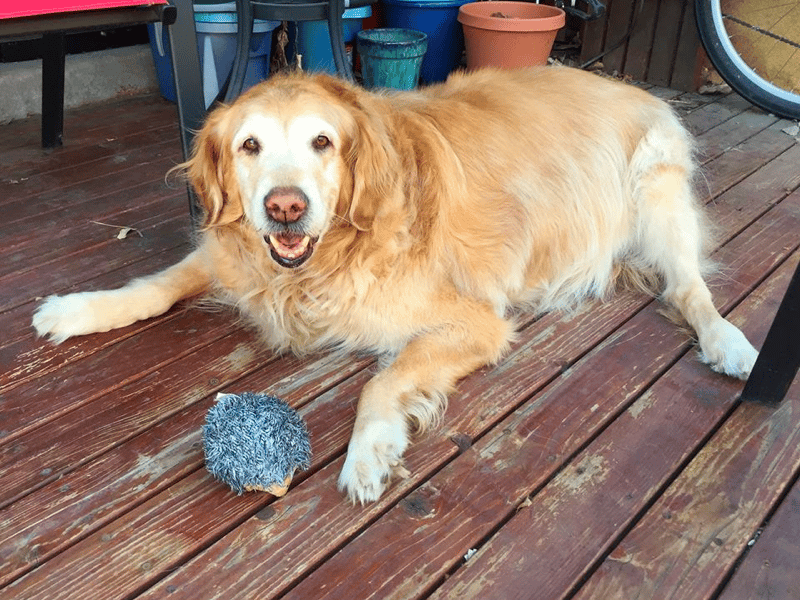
column 314, row 39
column 391, row 58
column 439, row 20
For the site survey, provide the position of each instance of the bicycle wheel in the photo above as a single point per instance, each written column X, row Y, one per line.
column 755, row 47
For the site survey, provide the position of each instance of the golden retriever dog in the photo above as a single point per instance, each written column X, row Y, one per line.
column 410, row 225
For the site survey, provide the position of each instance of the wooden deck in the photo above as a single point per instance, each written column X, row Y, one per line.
column 598, row 460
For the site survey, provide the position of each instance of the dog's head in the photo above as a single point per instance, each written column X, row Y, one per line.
column 291, row 158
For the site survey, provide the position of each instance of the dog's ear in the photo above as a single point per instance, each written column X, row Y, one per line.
column 210, row 172
column 369, row 154
column 372, row 162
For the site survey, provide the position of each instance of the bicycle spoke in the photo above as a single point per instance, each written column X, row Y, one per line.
column 755, row 49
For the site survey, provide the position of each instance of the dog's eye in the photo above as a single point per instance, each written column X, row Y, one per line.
column 251, row 145
column 321, row 142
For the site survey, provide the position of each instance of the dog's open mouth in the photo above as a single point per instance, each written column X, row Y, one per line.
column 290, row 249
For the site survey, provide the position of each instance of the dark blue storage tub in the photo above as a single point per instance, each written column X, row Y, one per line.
column 439, row 20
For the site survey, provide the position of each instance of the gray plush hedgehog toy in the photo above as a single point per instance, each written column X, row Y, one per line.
column 255, row 442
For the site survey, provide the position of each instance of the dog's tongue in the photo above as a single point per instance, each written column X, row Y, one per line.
column 289, row 245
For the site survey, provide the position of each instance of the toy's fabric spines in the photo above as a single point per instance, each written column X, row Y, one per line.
column 254, row 440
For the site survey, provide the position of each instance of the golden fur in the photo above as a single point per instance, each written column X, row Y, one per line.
column 409, row 224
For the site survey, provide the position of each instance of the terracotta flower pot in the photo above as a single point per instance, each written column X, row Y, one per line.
column 509, row 34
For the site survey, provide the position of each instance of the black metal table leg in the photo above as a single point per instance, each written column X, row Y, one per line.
column 779, row 359
column 53, row 62
column 188, row 82
column 235, row 83
column 335, row 26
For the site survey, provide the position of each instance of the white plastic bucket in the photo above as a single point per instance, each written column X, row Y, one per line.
column 216, row 28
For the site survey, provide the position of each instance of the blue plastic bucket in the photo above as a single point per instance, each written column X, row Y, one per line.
column 216, row 28
column 162, row 60
column 438, row 19
column 314, row 38
column 391, row 58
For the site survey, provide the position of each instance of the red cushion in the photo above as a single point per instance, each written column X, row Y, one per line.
column 27, row 8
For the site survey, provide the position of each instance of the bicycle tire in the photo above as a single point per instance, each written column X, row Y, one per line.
column 734, row 70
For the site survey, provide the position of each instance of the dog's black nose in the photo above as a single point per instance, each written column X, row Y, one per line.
column 286, row 204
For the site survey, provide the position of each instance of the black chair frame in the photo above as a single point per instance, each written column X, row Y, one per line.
column 186, row 62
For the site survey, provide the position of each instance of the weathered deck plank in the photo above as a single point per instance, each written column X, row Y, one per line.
column 78, row 384
column 553, row 541
column 142, row 467
column 45, row 453
column 690, row 538
column 171, row 227
column 99, row 160
column 745, row 158
column 482, row 490
column 713, row 114
column 770, row 569
column 563, row 457
column 24, row 356
column 84, row 127
column 265, row 539
column 537, row 357
column 66, row 236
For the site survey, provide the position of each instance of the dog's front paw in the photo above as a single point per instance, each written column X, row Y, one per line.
column 374, row 456
column 59, row 317
column 62, row 317
column 726, row 350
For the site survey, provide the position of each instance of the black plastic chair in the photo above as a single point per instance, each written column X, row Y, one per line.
column 186, row 61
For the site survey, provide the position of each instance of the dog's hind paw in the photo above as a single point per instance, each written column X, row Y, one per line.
column 728, row 351
column 374, row 457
